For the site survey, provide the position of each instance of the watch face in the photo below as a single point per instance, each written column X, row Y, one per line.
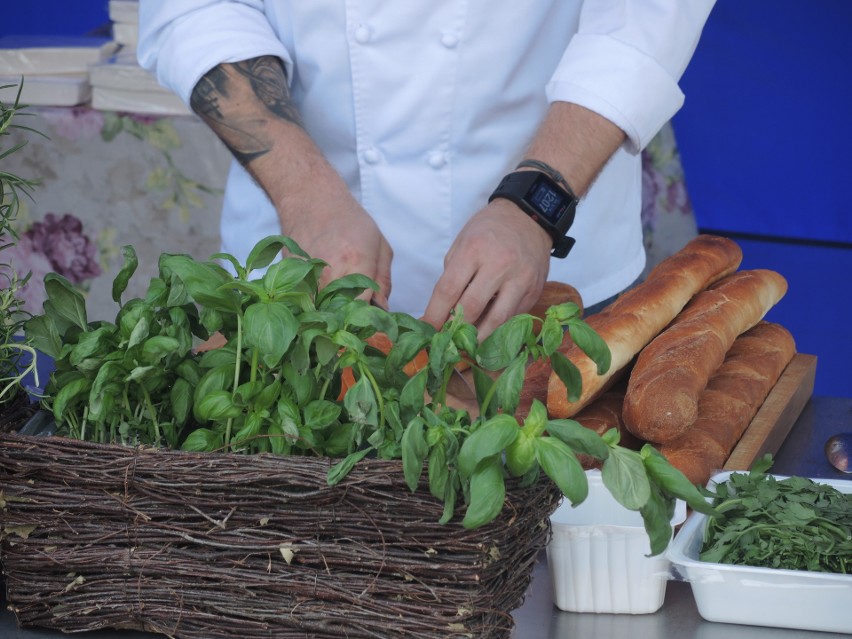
column 550, row 203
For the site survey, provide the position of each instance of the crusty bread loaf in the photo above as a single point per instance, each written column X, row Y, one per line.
column 637, row 316
column 671, row 372
column 731, row 399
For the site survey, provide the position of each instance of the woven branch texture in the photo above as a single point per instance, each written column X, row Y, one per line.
column 203, row 546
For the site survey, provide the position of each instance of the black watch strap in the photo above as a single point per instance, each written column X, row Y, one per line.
column 547, row 202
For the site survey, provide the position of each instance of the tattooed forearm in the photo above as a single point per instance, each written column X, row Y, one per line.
column 238, row 101
column 269, row 83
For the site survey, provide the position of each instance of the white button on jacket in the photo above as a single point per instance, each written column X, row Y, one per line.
column 381, row 85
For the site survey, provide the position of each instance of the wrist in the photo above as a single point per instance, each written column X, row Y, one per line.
column 544, row 196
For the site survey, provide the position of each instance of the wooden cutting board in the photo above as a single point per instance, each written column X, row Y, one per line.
column 776, row 416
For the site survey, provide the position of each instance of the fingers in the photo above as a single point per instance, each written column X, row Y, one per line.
column 383, row 275
column 503, row 307
column 448, row 293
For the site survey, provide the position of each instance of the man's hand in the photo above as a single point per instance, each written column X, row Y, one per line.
column 333, row 226
column 495, row 269
column 498, row 264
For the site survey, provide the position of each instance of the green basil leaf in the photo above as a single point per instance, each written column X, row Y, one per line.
column 560, row 463
column 339, row 471
column 203, row 281
column 141, row 330
column 278, row 439
column 443, row 354
column 414, row 451
column 568, row 373
column 505, row 343
column 321, row 413
column 623, row 473
column 564, row 312
column 303, row 385
column 234, row 262
column 71, row 393
column 268, row 395
column 404, row 349
column 42, row 332
column 673, row 482
column 284, row 276
column 216, row 379
column 488, row 440
column 487, row 493
column 65, row 301
column 361, row 404
column 520, row 454
column 128, row 268
column 465, row 338
column 154, row 349
column 92, row 344
column 412, row 398
column 248, row 431
column 339, row 440
column 264, row 252
column 551, row 335
column 657, row 514
column 349, row 286
column 581, row 439
column 270, row 328
column 141, row 372
column 509, row 385
column 439, row 472
column 450, row 498
column 180, row 397
column 217, row 406
column 361, row 314
column 203, row 440
column 189, row 370
column 483, row 382
column 157, row 292
column 591, row 344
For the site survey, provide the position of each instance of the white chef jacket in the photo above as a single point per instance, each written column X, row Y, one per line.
column 423, row 105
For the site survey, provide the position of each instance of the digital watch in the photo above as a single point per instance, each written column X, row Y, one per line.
column 538, row 195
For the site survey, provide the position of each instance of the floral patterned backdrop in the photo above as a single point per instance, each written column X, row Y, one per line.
column 107, row 180
column 111, row 179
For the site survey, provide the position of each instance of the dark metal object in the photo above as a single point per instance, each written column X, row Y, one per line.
column 838, row 449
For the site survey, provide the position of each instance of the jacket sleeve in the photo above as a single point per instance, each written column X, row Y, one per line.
column 626, row 60
column 181, row 41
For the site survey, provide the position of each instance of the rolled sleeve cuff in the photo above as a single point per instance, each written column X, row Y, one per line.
column 198, row 42
column 620, row 83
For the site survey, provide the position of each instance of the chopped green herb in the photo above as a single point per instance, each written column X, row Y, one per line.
column 793, row 524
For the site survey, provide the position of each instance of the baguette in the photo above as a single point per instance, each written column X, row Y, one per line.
column 733, row 396
column 671, row 372
column 638, row 315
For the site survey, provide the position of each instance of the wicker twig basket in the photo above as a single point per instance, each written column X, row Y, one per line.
column 195, row 545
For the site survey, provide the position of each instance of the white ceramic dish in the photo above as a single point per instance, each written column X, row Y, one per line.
column 762, row 596
column 598, row 560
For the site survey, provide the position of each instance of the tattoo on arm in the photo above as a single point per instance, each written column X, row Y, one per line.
column 238, row 100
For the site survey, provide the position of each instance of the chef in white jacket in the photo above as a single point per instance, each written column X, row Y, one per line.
column 375, row 132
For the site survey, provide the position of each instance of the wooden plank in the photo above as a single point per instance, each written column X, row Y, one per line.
column 776, row 416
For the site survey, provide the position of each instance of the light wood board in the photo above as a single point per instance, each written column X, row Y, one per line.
column 776, row 416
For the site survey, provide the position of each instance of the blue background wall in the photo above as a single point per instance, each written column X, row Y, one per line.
column 765, row 136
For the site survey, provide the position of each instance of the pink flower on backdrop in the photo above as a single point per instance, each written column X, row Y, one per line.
column 24, row 258
column 70, row 251
column 75, row 123
column 653, row 187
